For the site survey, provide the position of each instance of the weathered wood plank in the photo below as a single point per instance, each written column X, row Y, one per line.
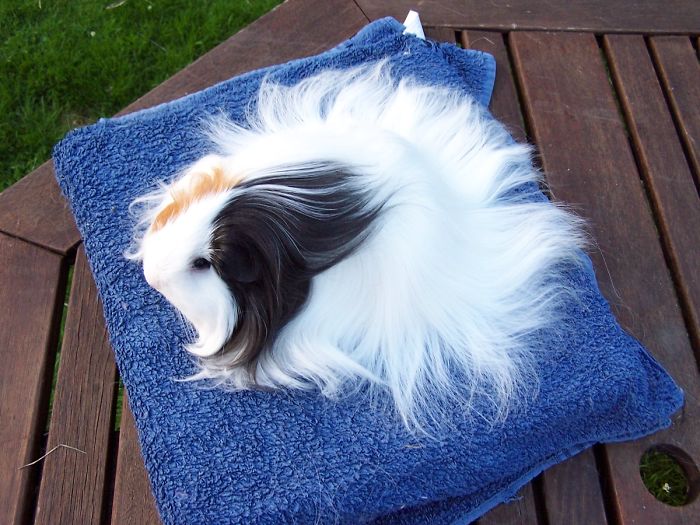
column 678, row 66
column 31, row 290
column 572, row 492
column 133, row 501
column 601, row 16
column 441, row 34
column 73, row 483
column 588, row 161
column 521, row 511
column 662, row 162
column 34, row 209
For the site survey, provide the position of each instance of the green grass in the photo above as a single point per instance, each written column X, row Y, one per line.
column 66, row 63
column 119, row 406
column 664, row 478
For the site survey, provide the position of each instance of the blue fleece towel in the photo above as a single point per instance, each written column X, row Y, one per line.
column 290, row 457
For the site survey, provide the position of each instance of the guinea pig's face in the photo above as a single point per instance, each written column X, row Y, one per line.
column 236, row 254
column 177, row 262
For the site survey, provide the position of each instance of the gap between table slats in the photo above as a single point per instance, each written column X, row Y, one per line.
column 589, row 162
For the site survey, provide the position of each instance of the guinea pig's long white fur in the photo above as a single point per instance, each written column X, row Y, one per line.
column 439, row 299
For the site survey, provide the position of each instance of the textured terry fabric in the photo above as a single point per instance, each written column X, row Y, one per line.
column 290, row 457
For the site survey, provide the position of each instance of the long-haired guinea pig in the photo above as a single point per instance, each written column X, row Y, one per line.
column 360, row 230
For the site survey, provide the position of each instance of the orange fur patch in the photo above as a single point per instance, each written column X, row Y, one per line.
column 195, row 186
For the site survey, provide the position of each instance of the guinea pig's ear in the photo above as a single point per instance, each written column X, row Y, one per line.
column 241, row 265
column 234, row 256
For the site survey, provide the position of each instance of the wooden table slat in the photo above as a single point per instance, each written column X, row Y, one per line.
column 34, row 208
column 600, row 16
column 679, row 70
column 133, row 501
column 521, row 511
column 73, row 483
column 663, row 164
column 441, row 34
column 589, row 163
column 32, row 284
column 572, row 492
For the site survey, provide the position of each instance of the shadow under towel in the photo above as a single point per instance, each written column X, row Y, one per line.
column 215, row 456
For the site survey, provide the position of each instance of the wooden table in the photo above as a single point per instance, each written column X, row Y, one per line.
column 609, row 93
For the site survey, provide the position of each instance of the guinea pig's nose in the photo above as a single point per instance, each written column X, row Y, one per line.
column 152, row 276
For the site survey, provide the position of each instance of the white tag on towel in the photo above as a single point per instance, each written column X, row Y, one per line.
column 413, row 25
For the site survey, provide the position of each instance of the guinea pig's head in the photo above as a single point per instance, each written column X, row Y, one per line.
column 236, row 254
column 176, row 252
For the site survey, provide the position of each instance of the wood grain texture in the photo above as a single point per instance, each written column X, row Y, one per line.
column 572, row 492
column 589, row 163
column 133, row 502
column 31, row 291
column 521, row 511
column 441, row 34
column 663, row 164
column 621, row 16
column 73, row 483
column 34, row 209
column 679, row 70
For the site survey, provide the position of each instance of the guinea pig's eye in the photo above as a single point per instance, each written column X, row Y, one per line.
column 200, row 263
